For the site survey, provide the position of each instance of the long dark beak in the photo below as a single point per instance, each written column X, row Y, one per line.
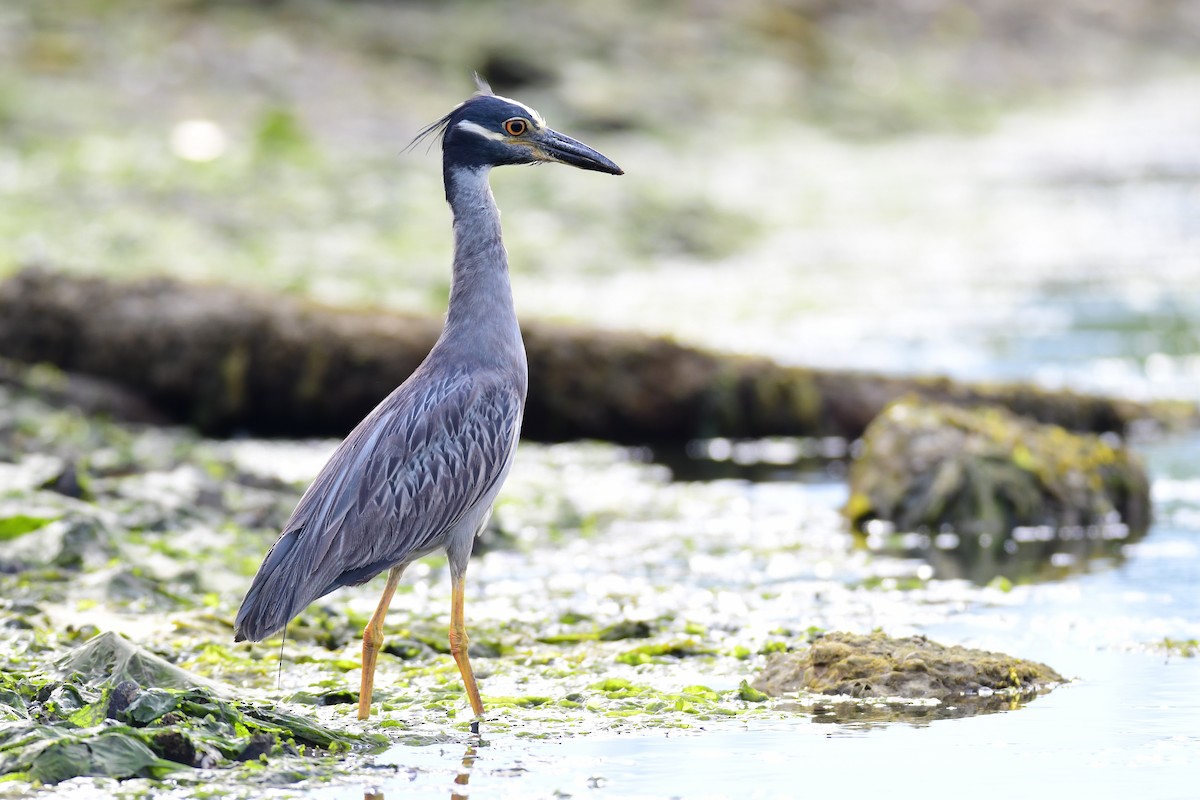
column 556, row 147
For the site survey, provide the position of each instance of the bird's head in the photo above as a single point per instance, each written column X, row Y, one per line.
column 490, row 131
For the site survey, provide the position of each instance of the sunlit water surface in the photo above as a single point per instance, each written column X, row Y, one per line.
column 1101, row 738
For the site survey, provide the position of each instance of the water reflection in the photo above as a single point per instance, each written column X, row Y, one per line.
column 872, row 714
column 464, row 772
column 758, row 460
column 461, row 779
column 1025, row 554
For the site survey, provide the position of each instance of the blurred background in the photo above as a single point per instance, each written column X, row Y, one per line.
column 988, row 189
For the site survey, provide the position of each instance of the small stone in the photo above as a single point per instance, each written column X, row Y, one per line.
column 260, row 744
column 120, row 697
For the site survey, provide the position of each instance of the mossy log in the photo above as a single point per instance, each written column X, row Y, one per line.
column 992, row 493
column 226, row 361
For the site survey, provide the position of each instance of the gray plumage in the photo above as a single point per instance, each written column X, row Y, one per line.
column 421, row 472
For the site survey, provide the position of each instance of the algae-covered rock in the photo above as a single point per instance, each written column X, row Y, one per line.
column 70, row 535
column 122, row 712
column 991, row 489
column 880, row 666
column 110, row 659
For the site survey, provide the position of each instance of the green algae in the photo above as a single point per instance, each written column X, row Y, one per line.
column 18, row 525
column 424, row 681
column 750, row 694
column 1186, row 648
column 111, row 658
column 46, row 756
column 657, row 653
column 73, row 728
column 119, row 711
column 524, row 701
column 626, row 629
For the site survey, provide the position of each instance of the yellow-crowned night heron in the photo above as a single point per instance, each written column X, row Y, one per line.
column 420, row 473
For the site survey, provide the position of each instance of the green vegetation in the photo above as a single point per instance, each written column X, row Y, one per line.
column 79, row 727
column 656, row 653
column 1187, row 648
column 21, row 524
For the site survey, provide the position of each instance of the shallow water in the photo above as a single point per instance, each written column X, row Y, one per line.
column 1127, row 725
column 1099, row 738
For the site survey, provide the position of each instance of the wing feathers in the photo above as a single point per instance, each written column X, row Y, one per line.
column 391, row 492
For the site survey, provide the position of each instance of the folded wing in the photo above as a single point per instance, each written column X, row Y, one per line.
column 390, row 493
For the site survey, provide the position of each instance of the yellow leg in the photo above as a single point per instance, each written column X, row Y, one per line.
column 458, row 649
column 373, row 640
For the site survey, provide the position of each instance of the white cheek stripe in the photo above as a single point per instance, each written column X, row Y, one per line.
column 479, row 130
column 533, row 115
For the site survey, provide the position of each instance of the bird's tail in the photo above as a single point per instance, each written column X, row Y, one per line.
column 277, row 594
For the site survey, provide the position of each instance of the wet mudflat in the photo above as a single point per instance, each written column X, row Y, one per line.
column 1127, row 723
column 1094, row 738
column 617, row 613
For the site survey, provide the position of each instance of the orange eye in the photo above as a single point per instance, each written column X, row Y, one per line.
column 515, row 126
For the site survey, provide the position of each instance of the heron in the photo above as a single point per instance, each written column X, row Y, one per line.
column 420, row 473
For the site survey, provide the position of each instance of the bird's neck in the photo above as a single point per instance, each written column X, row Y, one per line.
column 481, row 315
